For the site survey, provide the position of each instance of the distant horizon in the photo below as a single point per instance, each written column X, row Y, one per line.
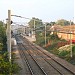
column 25, row 23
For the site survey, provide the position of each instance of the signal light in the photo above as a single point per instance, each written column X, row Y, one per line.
column 11, row 22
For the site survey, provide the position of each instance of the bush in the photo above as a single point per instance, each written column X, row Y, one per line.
column 6, row 67
column 63, row 53
column 15, row 68
column 73, row 51
column 54, row 37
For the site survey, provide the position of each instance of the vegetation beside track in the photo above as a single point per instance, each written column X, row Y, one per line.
column 6, row 67
column 54, row 45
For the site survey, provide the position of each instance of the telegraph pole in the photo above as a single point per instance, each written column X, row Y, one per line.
column 34, row 28
column 74, row 11
column 3, row 23
column 70, row 40
column 33, row 33
column 9, row 34
column 45, row 34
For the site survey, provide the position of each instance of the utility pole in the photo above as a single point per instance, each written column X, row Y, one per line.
column 70, row 40
column 74, row 11
column 3, row 23
column 33, row 33
column 34, row 27
column 9, row 34
column 45, row 34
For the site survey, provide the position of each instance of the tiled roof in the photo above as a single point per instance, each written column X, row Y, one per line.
column 66, row 29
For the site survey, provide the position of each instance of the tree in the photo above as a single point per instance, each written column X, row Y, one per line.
column 38, row 22
column 52, row 23
column 2, row 35
column 63, row 22
column 5, row 66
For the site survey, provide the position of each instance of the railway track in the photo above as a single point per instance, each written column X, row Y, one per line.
column 32, row 64
column 45, row 65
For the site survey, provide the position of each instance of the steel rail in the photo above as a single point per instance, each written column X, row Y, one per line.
column 52, row 59
column 36, row 62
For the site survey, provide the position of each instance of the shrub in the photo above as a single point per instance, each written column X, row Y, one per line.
column 6, row 67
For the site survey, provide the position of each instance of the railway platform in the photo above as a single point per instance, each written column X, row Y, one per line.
column 29, row 38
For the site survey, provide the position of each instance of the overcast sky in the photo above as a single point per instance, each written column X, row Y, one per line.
column 47, row 10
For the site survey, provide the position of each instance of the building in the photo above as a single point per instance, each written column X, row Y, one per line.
column 65, row 32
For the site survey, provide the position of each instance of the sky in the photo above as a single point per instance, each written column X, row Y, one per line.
column 47, row 10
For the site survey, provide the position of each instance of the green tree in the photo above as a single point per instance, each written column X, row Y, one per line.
column 52, row 23
column 5, row 66
column 63, row 22
column 3, row 35
column 38, row 22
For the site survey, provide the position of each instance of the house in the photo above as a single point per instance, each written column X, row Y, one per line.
column 64, row 32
